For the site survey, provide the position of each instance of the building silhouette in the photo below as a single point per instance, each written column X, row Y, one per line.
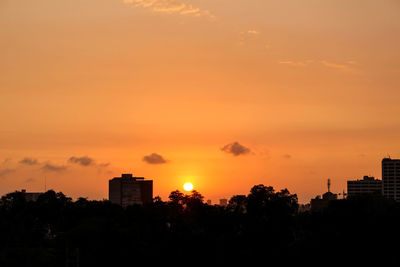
column 318, row 204
column 31, row 196
column 128, row 190
column 366, row 186
column 391, row 178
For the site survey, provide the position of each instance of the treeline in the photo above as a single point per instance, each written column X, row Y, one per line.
column 263, row 227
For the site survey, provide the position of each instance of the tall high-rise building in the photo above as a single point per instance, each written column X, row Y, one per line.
column 128, row 190
column 366, row 186
column 391, row 178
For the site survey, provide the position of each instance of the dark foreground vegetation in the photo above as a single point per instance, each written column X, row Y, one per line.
column 263, row 227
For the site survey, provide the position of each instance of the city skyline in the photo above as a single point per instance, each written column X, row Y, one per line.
column 187, row 186
column 222, row 94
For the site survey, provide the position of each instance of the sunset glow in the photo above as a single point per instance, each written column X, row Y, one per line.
column 188, row 186
column 259, row 132
column 284, row 93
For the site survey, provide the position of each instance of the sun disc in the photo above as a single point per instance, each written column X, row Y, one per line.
column 188, row 186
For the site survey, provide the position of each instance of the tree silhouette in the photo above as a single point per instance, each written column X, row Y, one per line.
column 264, row 201
column 237, row 204
column 176, row 197
column 157, row 199
column 194, row 197
column 57, row 231
column 13, row 200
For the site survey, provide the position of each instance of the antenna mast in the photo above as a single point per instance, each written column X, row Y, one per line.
column 329, row 185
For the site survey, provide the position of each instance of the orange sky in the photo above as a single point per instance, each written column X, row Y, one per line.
column 311, row 88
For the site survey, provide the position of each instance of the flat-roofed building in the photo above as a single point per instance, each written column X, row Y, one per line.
column 128, row 190
column 319, row 204
column 31, row 196
column 391, row 178
column 366, row 186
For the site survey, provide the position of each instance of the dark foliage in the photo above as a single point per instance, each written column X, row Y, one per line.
column 262, row 227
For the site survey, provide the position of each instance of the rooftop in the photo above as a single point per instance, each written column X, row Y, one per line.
column 128, row 176
column 365, row 179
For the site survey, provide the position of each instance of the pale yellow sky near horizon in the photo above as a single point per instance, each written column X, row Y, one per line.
column 310, row 87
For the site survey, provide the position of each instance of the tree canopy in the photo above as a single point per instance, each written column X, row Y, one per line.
column 265, row 224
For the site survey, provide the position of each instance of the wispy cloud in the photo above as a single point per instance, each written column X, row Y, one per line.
column 86, row 161
column 254, row 32
column 5, row 172
column 295, row 63
column 287, row 156
column 171, row 7
column 352, row 62
column 6, row 161
column 53, row 168
column 104, row 165
column 83, row 161
column 349, row 66
column 154, row 158
column 248, row 35
column 29, row 161
column 235, row 149
column 335, row 65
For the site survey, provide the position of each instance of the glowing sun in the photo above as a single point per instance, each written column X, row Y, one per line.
column 188, row 187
